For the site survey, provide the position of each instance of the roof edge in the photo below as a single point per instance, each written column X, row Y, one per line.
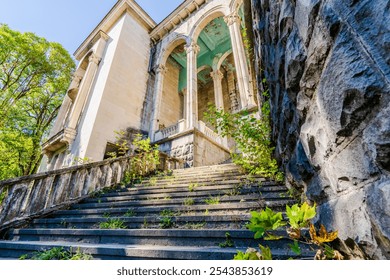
column 116, row 12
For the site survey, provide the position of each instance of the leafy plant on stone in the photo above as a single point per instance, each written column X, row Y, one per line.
column 113, row 223
column 252, row 137
column 264, row 221
column 299, row 217
column 253, row 254
column 145, row 159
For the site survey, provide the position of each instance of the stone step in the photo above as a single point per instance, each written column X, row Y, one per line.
column 221, row 221
column 232, row 185
column 198, row 180
column 14, row 249
column 161, row 237
column 185, row 199
column 150, row 210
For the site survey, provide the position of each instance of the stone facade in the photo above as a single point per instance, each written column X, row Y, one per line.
column 327, row 65
column 157, row 79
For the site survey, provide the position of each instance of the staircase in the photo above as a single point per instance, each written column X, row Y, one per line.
column 196, row 213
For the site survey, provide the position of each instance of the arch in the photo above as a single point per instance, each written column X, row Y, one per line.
column 204, row 67
column 235, row 5
column 218, row 62
column 166, row 52
column 213, row 13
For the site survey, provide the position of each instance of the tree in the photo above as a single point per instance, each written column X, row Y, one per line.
column 34, row 76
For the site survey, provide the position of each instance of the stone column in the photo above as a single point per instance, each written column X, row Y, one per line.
column 87, row 81
column 217, row 76
column 243, row 77
column 192, row 85
column 160, row 71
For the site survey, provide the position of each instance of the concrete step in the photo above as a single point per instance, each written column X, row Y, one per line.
column 153, row 210
column 199, row 180
column 185, row 221
column 14, row 249
column 227, row 188
column 160, row 237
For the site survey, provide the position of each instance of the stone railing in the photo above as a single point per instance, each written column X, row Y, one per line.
column 169, row 131
column 210, row 133
column 31, row 196
column 169, row 163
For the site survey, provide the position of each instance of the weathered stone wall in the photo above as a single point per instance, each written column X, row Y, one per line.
column 170, row 108
column 327, row 64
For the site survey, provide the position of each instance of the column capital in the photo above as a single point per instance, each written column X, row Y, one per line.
column 216, row 75
column 94, row 59
column 160, row 69
column 232, row 18
column 192, row 47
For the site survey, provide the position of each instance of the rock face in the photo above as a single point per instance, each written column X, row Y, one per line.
column 327, row 65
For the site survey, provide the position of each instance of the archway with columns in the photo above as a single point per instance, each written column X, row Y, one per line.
column 202, row 61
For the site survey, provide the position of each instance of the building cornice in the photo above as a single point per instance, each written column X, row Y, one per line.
column 119, row 9
column 180, row 14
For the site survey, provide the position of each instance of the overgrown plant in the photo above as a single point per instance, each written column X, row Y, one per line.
column 113, row 224
column 298, row 217
column 145, row 159
column 252, row 137
column 57, row 253
column 121, row 143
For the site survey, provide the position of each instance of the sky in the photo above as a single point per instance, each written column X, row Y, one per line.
column 69, row 22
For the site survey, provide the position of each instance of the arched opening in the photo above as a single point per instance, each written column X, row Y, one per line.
column 172, row 105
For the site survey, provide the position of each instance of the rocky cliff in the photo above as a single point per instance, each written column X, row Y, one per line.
column 327, row 65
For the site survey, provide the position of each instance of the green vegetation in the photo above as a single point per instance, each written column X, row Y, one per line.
column 253, row 254
column 192, row 187
column 34, row 78
column 212, row 200
column 113, row 223
column 228, row 242
column 130, row 213
column 166, row 222
column 57, row 253
column 263, row 221
column 299, row 217
column 145, row 159
column 253, row 151
column 189, row 201
column 121, row 144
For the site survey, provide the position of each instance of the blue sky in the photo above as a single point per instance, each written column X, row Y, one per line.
column 69, row 22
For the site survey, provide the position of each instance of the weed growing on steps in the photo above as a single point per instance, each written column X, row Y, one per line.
column 57, row 253
column 298, row 217
column 114, row 223
column 130, row 213
column 166, row 218
column 228, row 242
column 192, row 187
column 212, row 200
column 145, row 224
column 195, row 225
column 189, row 201
column 166, row 222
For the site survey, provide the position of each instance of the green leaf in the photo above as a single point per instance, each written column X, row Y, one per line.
column 295, row 248
column 265, row 252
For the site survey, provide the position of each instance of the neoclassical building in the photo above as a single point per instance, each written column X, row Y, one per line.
column 157, row 79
